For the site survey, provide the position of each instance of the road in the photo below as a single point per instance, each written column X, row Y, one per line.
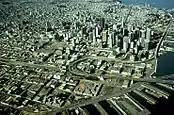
column 73, row 70
column 162, row 39
column 26, row 64
column 96, row 99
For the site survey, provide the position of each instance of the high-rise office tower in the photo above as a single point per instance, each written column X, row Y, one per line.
column 132, row 45
column 110, row 40
column 66, row 37
column 97, row 32
column 133, row 35
column 136, row 49
column 130, row 35
column 147, row 44
column 106, row 26
column 77, row 40
column 130, row 27
column 90, row 36
column 104, row 36
column 99, row 42
column 94, row 36
column 102, row 23
column 116, row 41
column 113, row 38
column 125, row 32
column 143, row 34
column 73, row 41
column 138, row 42
column 120, row 42
column 122, row 23
column 114, row 27
column 83, row 30
column 142, row 42
column 148, row 34
column 77, row 25
column 125, row 43
column 137, row 33
column 67, row 50
column 89, row 29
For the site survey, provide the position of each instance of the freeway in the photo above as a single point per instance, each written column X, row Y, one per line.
column 150, row 80
column 26, row 64
column 96, row 99
column 162, row 39
column 114, row 76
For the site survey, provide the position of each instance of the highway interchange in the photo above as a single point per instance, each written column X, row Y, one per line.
column 109, row 79
column 75, row 73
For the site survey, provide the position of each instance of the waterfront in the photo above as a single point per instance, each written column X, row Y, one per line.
column 50, row 52
column 165, row 64
column 167, row 4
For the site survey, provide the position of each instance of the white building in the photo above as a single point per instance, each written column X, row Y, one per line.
column 104, row 36
column 94, row 36
column 125, row 43
column 110, row 40
column 148, row 34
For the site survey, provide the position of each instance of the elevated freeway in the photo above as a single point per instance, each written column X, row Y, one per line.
column 96, row 99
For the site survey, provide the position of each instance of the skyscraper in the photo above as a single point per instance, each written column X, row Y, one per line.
column 104, row 36
column 148, row 34
column 125, row 43
column 142, row 42
column 73, row 41
column 137, row 33
column 125, row 32
column 114, row 27
column 130, row 37
column 66, row 37
column 143, row 34
column 83, row 30
column 113, row 38
column 94, row 36
column 116, row 41
column 136, row 49
column 132, row 45
column 110, row 40
column 122, row 23
column 130, row 27
column 102, row 23
column 147, row 44
column 97, row 32
column 90, row 36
